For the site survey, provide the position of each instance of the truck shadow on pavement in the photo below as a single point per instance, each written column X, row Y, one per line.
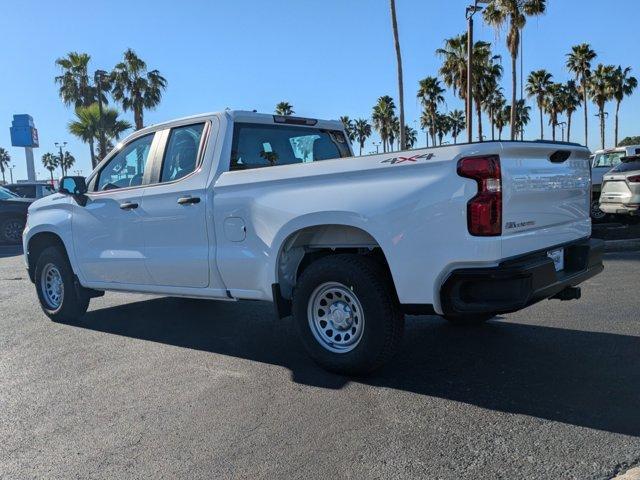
column 582, row 378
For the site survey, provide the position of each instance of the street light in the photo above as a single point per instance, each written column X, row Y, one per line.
column 377, row 145
column 11, row 172
column 470, row 12
column 61, row 146
column 561, row 125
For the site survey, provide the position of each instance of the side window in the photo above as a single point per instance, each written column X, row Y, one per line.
column 181, row 154
column 126, row 169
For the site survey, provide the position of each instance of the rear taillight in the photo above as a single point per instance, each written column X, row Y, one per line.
column 484, row 211
column 634, row 179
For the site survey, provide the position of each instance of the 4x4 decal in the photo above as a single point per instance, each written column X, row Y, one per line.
column 414, row 158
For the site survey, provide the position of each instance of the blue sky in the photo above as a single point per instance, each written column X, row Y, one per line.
column 326, row 57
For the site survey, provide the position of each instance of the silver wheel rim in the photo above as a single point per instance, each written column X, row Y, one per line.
column 52, row 286
column 13, row 230
column 596, row 212
column 335, row 317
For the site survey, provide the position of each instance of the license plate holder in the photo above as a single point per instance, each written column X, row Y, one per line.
column 558, row 258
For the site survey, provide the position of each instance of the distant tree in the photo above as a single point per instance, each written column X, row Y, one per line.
column 394, row 131
column 442, row 126
column 502, row 118
column 629, row 141
column 50, row 162
column 623, row 86
column 601, row 90
column 493, row 104
column 457, row 123
column 430, row 95
column 362, row 131
column 66, row 162
column 348, row 127
column 426, row 124
column 284, row 108
column 513, row 13
column 571, row 102
column 579, row 63
column 135, row 87
column 410, row 135
column 553, row 104
column 5, row 159
column 382, row 117
column 522, row 116
column 538, row 84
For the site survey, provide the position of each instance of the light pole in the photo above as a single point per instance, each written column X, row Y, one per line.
column 562, row 125
column 470, row 12
column 377, row 145
column 60, row 146
column 99, row 81
column 11, row 172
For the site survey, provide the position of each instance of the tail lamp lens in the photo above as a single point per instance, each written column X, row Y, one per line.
column 484, row 211
column 634, row 179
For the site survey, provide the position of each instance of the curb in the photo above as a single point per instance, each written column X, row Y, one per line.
column 632, row 245
column 633, row 474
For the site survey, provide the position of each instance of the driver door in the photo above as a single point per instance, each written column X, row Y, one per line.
column 107, row 231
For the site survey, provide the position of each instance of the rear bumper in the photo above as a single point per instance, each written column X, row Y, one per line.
column 619, row 208
column 520, row 282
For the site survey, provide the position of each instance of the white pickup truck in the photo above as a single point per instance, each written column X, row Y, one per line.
column 240, row 205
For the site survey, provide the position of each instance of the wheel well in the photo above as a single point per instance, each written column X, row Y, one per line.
column 37, row 244
column 305, row 246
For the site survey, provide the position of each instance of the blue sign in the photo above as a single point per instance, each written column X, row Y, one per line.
column 24, row 132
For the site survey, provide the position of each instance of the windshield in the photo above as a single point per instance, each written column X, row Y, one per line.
column 609, row 160
column 6, row 194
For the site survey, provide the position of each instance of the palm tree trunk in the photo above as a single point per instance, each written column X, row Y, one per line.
column 500, row 134
column 3, row 179
column 479, row 113
column 360, row 154
column 602, row 125
column 138, row 118
column 51, row 172
column 493, row 130
column 514, row 94
column 396, row 41
column 541, row 121
column 616, row 127
column 553, row 128
column 94, row 163
column 568, row 127
column 427, row 135
column 586, row 115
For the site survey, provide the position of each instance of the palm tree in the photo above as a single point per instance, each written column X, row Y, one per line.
column 383, row 115
column 135, row 87
column 486, row 77
column 579, row 63
column 538, row 84
column 66, row 162
column 493, row 104
column 623, row 86
column 394, row 131
column 514, row 13
column 554, row 105
column 426, row 124
column 521, row 116
column 502, row 118
column 411, row 136
column 571, row 102
column 75, row 85
column 442, row 126
column 5, row 159
column 50, row 162
column 396, row 42
column 284, row 108
column 362, row 131
column 347, row 123
column 430, row 94
column 601, row 90
column 88, row 124
column 457, row 123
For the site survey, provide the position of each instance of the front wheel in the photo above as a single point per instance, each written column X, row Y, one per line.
column 61, row 298
column 347, row 314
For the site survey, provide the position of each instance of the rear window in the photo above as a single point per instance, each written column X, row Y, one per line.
column 259, row 145
column 628, row 166
column 608, row 159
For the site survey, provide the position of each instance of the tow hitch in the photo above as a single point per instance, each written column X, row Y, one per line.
column 569, row 293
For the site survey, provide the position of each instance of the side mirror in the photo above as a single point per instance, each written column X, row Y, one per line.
column 75, row 186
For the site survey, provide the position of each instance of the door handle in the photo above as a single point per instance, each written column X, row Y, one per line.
column 188, row 200
column 128, row 205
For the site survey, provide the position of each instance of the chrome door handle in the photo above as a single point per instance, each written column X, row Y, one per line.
column 128, row 205
column 188, row 200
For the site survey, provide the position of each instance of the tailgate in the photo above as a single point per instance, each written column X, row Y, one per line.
column 545, row 202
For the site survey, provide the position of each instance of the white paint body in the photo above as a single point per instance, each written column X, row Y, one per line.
column 228, row 246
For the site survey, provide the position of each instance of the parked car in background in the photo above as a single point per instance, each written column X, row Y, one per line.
column 31, row 189
column 240, row 205
column 603, row 161
column 621, row 188
column 13, row 216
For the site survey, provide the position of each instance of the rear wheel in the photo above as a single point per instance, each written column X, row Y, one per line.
column 596, row 214
column 61, row 298
column 347, row 314
column 469, row 320
column 11, row 230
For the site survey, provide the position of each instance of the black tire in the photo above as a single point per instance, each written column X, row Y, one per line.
column 382, row 319
column 469, row 320
column 75, row 299
column 11, row 230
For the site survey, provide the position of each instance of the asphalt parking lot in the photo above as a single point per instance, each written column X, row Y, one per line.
column 147, row 387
